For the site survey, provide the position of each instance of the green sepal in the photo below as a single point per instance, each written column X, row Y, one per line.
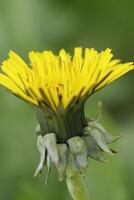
column 73, row 162
column 78, row 150
column 51, row 145
column 63, row 159
column 94, row 150
column 93, row 143
column 100, row 140
column 42, row 150
column 107, row 136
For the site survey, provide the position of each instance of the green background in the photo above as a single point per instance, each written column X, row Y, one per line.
column 54, row 24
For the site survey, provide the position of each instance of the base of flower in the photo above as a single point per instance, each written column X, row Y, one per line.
column 93, row 143
column 64, row 123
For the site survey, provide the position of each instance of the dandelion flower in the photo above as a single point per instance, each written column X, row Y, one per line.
column 60, row 81
column 57, row 86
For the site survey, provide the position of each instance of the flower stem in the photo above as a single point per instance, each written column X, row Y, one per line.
column 76, row 185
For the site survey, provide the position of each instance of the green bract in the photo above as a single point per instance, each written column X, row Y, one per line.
column 75, row 151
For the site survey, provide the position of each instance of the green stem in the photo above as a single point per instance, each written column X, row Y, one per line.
column 77, row 186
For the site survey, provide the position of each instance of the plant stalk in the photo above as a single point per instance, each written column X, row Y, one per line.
column 76, row 185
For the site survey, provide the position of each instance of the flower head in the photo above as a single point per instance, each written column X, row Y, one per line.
column 57, row 86
column 60, row 81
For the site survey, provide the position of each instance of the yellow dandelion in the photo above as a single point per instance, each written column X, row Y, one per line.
column 57, row 86
column 60, row 81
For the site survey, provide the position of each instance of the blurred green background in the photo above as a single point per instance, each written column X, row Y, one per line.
column 53, row 24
